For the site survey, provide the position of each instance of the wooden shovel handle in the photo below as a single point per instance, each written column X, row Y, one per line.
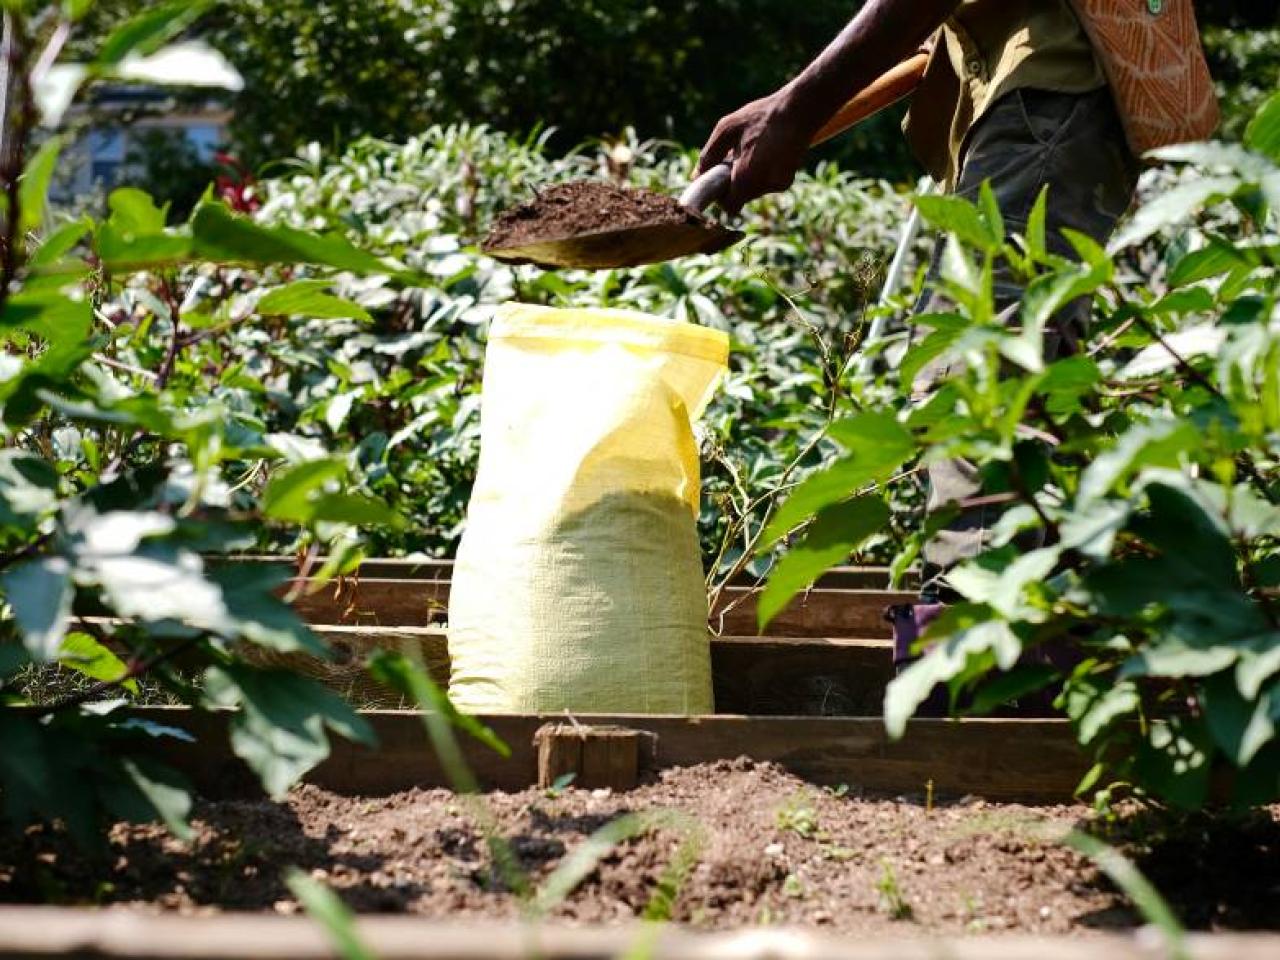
column 883, row 92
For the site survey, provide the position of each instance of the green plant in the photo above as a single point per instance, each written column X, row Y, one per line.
column 893, row 900
column 1148, row 461
column 125, row 474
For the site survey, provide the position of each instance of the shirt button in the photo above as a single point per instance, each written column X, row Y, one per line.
column 973, row 67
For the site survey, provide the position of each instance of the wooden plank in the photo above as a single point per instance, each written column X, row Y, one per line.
column 62, row 933
column 752, row 675
column 421, row 603
column 1026, row 760
column 396, row 568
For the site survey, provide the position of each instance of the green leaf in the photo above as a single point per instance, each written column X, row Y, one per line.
column 165, row 791
column 1037, row 244
column 59, row 243
column 409, row 679
column 323, row 905
column 1156, row 443
column 1172, row 206
column 991, row 211
column 837, row 531
column 1174, row 761
column 148, row 31
column 307, row 298
column 1212, row 260
column 877, row 445
column 33, row 192
column 289, row 495
column 1094, row 704
column 280, row 729
column 959, row 217
column 1263, row 132
column 355, row 509
column 1008, row 687
column 1240, row 728
column 48, row 314
column 965, row 638
column 134, row 211
column 84, row 654
column 223, row 237
column 40, row 593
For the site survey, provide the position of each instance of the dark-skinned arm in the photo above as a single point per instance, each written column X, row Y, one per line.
column 767, row 139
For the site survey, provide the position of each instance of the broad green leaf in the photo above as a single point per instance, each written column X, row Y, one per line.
column 48, row 314
column 355, row 509
column 251, row 594
column 1175, row 760
column 1172, row 206
column 1240, row 728
column 1008, row 687
column 165, row 792
column 960, row 217
column 1212, row 260
column 1258, row 663
column 40, row 592
column 306, row 298
column 1263, row 133
column 279, row 730
column 289, row 495
column 963, row 637
column 836, row 532
column 148, row 31
column 877, row 443
column 1094, row 704
column 84, row 654
column 33, row 193
column 13, row 658
column 1158, row 443
column 1003, row 590
column 133, row 211
column 224, row 237
column 59, row 243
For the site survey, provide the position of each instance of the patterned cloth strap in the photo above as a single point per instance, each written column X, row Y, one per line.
column 1150, row 51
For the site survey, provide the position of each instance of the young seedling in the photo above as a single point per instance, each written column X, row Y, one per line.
column 892, row 898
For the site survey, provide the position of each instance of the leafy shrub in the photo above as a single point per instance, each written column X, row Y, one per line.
column 114, row 497
column 1148, row 460
column 794, row 297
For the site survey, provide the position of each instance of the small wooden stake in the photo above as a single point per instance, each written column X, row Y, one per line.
column 599, row 756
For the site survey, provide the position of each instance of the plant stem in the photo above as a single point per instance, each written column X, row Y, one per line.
column 15, row 127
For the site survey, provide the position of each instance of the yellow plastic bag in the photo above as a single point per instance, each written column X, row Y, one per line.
column 578, row 583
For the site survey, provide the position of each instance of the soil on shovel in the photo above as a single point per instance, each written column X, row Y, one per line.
column 583, row 206
column 767, row 848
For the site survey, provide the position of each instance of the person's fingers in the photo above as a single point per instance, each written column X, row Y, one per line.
column 718, row 146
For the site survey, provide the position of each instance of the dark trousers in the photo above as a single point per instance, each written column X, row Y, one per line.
column 1074, row 144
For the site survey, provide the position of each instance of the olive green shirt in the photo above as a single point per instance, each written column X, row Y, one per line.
column 987, row 49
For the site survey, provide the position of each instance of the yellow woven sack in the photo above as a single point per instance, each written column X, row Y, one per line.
column 578, row 583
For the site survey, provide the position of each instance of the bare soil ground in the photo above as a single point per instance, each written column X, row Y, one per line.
column 769, row 849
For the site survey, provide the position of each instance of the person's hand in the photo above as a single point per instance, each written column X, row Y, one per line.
column 764, row 143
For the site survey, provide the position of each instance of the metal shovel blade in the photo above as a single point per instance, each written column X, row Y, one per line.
column 624, row 247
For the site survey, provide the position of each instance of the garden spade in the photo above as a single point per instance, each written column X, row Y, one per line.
column 656, row 242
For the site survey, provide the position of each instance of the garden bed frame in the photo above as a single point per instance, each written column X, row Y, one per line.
column 58, row 933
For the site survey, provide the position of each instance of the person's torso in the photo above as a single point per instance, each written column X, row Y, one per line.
column 991, row 48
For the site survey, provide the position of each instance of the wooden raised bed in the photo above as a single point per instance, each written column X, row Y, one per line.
column 1034, row 761
column 37, row 933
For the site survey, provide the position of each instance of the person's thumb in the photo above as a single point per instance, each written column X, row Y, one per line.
column 719, row 146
